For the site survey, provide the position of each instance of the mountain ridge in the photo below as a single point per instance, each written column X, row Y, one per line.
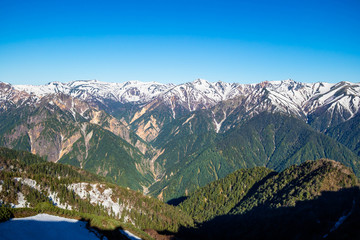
column 306, row 100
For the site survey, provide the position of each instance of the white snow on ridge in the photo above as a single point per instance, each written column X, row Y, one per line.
column 21, row 201
column 45, row 227
column 136, row 91
column 33, row 184
column 132, row 91
column 343, row 96
column 56, row 201
column 42, row 90
column 96, row 197
column 287, row 95
column 29, row 182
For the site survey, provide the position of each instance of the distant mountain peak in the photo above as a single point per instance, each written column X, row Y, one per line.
column 200, row 81
column 287, row 95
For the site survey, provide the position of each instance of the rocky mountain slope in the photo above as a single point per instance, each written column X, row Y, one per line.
column 68, row 130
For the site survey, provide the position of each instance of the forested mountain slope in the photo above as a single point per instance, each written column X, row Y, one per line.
column 347, row 133
column 27, row 180
column 310, row 201
column 275, row 141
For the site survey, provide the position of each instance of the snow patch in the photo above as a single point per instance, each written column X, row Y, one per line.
column 56, row 201
column 218, row 124
column 44, row 227
column 29, row 182
column 51, row 195
column 129, row 235
column 97, row 197
column 21, row 201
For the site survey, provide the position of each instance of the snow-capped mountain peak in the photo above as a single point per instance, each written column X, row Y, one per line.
column 288, row 95
column 131, row 91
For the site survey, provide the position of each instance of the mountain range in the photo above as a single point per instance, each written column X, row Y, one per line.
column 167, row 140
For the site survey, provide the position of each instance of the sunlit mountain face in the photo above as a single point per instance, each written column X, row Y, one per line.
column 166, row 139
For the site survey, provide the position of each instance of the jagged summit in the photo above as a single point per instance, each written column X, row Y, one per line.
column 289, row 96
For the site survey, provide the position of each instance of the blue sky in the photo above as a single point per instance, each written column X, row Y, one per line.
column 179, row 40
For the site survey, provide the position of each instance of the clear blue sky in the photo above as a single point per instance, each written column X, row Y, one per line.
column 179, row 40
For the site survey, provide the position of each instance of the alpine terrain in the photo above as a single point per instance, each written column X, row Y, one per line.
column 223, row 156
column 167, row 140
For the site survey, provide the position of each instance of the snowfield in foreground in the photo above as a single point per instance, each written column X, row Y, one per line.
column 45, row 227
